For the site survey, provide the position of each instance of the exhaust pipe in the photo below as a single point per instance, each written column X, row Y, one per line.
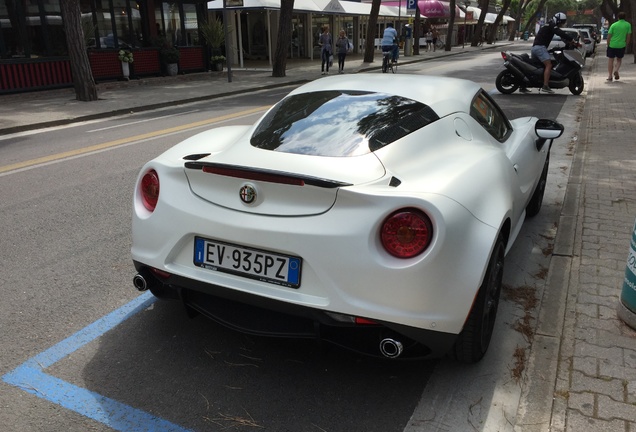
column 391, row 348
column 516, row 72
column 139, row 282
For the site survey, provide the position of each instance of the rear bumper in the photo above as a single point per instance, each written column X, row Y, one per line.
column 253, row 314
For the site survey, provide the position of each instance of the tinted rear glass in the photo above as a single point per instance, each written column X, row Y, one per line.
column 339, row 123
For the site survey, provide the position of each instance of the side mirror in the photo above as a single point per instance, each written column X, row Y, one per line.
column 547, row 130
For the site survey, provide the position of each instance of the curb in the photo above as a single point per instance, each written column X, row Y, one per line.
column 543, row 402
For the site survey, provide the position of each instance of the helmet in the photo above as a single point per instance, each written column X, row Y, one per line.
column 560, row 17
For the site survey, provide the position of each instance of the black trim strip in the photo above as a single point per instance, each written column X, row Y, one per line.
column 250, row 173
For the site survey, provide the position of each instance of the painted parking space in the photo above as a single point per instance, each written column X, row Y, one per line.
column 31, row 377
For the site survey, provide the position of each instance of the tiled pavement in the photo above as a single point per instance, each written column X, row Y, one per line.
column 595, row 387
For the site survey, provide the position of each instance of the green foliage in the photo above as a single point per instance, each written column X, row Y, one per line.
column 170, row 55
column 214, row 33
column 88, row 29
column 125, row 56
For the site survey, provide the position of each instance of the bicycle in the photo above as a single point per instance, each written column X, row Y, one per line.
column 387, row 64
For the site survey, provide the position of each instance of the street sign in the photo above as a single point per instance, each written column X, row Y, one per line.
column 411, row 5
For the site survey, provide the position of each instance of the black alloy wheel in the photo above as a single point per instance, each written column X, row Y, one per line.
column 506, row 82
column 472, row 343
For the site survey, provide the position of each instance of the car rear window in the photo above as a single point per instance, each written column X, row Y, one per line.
column 339, row 123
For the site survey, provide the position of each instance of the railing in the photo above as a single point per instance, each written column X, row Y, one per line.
column 21, row 75
column 34, row 74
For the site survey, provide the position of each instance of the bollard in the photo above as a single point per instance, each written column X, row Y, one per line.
column 627, row 304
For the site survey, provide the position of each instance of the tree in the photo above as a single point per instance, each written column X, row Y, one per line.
column 416, row 30
column 533, row 16
column 451, row 25
column 284, row 38
column 369, row 43
column 483, row 5
column 520, row 10
column 492, row 33
column 85, row 88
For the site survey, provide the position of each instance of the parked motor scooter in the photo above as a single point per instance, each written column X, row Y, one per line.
column 523, row 71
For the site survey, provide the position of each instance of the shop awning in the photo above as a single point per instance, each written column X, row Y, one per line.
column 436, row 9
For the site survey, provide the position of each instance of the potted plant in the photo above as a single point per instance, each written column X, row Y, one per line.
column 216, row 62
column 170, row 57
column 214, row 35
column 125, row 57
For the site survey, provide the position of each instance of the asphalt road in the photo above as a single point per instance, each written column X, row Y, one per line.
column 97, row 359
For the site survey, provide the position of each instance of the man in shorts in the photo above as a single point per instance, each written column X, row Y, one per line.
column 618, row 37
column 542, row 41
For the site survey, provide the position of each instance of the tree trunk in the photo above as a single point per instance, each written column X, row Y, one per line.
column 492, row 34
column 369, row 42
column 477, row 37
column 416, row 30
column 451, row 25
column 534, row 16
column 284, row 38
column 85, row 88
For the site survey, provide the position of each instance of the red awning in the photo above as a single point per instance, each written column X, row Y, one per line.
column 436, row 9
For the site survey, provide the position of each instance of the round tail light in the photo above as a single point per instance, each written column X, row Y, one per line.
column 406, row 233
column 149, row 189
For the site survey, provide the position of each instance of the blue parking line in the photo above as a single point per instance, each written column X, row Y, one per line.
column 30, row 377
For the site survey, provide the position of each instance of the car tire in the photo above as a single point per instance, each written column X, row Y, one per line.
column 506, row 82
column 535, row 203
column 576, row 85
column 473, row 341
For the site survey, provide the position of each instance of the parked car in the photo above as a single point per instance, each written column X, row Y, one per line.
column 108, row 42
column 592, row 28
column 370, row 212
column 589, row 43
column 575, row 34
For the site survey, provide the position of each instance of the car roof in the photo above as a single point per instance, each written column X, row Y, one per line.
column 443, row 94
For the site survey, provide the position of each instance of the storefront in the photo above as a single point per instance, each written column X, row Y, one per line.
column 33, row 51
column 257, row 24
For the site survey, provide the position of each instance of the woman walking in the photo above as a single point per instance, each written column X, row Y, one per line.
column 342, row 48
column 326, row 51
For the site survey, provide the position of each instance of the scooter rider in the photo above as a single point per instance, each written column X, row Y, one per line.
column 542, row 41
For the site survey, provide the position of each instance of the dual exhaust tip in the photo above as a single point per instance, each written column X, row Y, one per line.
column 390, row 348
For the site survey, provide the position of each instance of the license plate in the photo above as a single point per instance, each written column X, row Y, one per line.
column 247, row 262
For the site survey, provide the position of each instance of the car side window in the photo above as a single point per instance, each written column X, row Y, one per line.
column 490, row 117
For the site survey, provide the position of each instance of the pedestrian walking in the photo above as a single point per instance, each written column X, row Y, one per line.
column 326, row 51
column 429, row 40
column 619, row 36
column 342, row 48
column 435, row 38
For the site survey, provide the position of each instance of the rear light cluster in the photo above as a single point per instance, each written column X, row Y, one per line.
column 406, row 233
column 149, row 190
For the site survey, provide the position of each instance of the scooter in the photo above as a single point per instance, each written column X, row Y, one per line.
column 523, row 71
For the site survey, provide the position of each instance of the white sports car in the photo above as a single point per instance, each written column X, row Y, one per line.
column 370, row 212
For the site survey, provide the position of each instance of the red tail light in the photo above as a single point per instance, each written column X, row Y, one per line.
column 149, row 189
column 406, row 233
column 504, row 56
column 364, row 321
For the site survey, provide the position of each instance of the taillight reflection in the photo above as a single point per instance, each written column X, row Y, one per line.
column 406, row 233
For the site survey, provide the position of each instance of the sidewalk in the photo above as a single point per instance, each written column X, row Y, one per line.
column 24, row 111
column 582, row 370
column 581, row 374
